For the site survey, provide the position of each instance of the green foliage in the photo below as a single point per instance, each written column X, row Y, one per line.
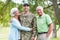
column 5, row 12
column 6, row 7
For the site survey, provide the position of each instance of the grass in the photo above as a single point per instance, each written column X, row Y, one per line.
column 4, row 34
column 58, row 38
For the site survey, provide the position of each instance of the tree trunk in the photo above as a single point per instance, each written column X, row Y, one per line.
column 54, row 32
column 57, row 13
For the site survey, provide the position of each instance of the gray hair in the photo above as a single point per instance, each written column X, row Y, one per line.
column 13, row 10
column 39, row 7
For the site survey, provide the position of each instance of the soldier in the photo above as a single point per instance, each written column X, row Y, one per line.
column 26, row 19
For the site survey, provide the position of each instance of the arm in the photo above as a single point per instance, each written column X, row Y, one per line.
column 34, row 33
column 18, row 26
column 50, row 24
column 50, row 29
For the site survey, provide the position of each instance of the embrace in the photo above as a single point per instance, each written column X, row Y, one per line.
column 27, row 26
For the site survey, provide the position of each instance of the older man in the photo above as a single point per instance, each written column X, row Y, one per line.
column 44, row 24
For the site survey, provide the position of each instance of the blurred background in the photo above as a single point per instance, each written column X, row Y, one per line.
column 51, row 7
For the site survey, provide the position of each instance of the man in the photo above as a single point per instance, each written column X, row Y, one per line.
column 26, row 19
column 44, row 24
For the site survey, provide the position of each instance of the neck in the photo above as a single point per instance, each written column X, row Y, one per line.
column 26, row 12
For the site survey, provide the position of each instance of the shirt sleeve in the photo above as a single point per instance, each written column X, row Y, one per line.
column 18, row 26
column 49, row 21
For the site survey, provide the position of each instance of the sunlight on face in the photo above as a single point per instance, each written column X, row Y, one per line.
column 40, row 12
column 26, row 8
column 17, row 13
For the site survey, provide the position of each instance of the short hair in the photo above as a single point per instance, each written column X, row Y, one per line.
column 39, row 7
column 13, row 10
column 26, row 4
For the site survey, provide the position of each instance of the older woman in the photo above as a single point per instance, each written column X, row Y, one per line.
column 15, row 25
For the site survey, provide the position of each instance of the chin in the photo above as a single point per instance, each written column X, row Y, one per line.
column 40, row 15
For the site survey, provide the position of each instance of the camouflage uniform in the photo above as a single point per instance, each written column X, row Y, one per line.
column 27, row 20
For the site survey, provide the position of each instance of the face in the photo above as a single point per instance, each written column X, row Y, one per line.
column 40, row 12
column 26, row 8
column 17, row 13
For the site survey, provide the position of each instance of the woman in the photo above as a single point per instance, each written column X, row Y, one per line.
column 15, row 25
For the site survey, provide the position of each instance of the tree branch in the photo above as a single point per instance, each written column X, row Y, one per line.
column 51, row 5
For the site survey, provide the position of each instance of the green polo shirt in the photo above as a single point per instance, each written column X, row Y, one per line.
column 43, row 22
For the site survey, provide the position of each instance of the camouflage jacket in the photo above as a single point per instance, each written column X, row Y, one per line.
column 28, row 20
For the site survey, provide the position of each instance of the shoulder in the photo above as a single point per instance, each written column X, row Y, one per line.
column 32, row 14
column 47, row 16
column 21, row 13
column 13, row 20
column 36, row 16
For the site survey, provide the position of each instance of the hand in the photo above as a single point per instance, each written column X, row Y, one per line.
column 47, row 35
column 31, row 29
column 32, row 38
